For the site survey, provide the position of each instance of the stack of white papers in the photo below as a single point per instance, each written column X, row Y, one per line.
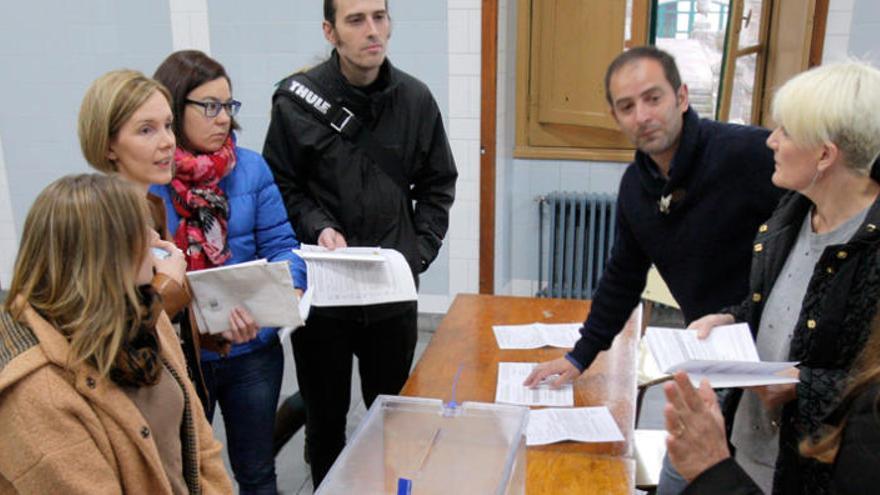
column 357, row 276
column 536, row 335
column 727, row 358
column 510, row 388
column 264, row 289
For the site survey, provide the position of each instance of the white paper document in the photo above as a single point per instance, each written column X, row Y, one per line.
column 581, row 424
column 536, row 335
column 510, row 388
column 727, row 358
column 357, row 276
column 265, row 289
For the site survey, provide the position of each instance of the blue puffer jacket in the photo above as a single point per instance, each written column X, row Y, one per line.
column 258, row 228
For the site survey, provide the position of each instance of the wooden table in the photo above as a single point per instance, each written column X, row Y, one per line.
column 464, row 338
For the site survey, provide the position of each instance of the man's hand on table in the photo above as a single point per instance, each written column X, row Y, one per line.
column 565, row 370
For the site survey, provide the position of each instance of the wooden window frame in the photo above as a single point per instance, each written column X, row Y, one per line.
column 771, row 70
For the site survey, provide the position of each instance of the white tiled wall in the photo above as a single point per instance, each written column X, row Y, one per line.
column 8, row 238
column 189, row 25
column 837, row 30
column 464, row 138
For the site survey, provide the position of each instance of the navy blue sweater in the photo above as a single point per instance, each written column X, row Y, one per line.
column 702, row 246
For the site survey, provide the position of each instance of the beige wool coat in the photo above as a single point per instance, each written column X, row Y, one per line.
column 71, row 431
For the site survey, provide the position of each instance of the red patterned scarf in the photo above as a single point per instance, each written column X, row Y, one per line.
column 202, row 205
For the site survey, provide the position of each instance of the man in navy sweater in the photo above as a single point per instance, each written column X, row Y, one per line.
column 690, row 203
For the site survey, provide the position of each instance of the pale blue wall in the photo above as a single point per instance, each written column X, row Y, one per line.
column 864, row 41
column 50, row 52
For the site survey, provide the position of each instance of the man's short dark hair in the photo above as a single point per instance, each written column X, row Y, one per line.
column 667, row 61
column 330, row 11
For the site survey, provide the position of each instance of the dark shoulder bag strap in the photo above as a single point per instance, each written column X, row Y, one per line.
column 308, row 95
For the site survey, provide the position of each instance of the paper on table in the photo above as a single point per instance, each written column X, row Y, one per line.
column 510, row 388
column 357, row 276
column 727, row 358
column 581, row 424
column 264, row 289
column 536, row 335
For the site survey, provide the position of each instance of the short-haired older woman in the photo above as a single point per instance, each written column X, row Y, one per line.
column 93, row 390
column 815, row 276
column 224, row 208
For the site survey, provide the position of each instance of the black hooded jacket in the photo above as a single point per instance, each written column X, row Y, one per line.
column 326, row 180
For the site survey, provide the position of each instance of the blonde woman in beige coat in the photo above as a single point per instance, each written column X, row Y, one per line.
column 94, row 396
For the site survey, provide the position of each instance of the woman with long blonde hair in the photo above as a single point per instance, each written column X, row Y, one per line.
column 93, row 390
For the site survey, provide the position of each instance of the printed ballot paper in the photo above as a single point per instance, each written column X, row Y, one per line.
column 727, row 358
column 264, row 289
column 536, row 335
column 357, row 276
column 581, row 424
column 510, row 388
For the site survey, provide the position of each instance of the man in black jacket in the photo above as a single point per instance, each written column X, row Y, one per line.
column 361, row 158
column 690, row 203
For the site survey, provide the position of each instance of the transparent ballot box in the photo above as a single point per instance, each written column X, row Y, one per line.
column 434, row 449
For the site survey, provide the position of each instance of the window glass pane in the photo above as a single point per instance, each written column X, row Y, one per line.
column 751, row 30
column 697, row 44
column 743, row 90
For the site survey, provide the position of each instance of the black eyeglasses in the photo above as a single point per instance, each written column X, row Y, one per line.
column 212, row 108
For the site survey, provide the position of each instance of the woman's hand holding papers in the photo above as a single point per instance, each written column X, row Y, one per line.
column 696, row 438
column 242, row 327
column 565, row 370
column 704, row 325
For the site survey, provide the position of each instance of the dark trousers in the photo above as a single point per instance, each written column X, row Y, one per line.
column 247, row 388
column 384, row 343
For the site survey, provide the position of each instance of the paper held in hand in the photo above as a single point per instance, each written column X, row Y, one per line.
column 265, row 289
column 357, row 276
column 727, row 358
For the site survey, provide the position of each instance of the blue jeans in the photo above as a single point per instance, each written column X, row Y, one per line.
column 671, row 483
column 247, row 388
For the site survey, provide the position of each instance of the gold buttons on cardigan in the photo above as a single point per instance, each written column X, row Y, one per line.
column 759, row 247
column 830, row 269
column 756, row 297
column 91, row 383
column 762, row 228
column 841, row 255
column 145, row 432
column 811, row 324
column 871, row 227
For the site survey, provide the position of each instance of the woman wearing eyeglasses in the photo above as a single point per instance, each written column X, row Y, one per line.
column 224, row 208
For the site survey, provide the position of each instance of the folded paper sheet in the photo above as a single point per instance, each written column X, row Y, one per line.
column 581, row 424
column 537, row 335
column 727, row 358
column 357, row 276
column 510, row 388
column 264, row 289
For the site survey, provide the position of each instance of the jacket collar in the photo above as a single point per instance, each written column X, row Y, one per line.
column 794, row 206
column 354, row 95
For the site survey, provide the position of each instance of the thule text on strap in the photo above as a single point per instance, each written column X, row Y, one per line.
column 309, row 97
